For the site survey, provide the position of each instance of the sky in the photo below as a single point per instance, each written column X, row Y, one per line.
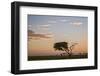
column 45, row 30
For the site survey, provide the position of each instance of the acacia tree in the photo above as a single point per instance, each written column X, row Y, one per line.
column 63, row 46
column 72, row 47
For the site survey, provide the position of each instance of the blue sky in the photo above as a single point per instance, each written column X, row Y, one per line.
column 60, row 26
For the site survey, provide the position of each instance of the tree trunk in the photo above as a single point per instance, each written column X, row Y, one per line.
column 68, row 53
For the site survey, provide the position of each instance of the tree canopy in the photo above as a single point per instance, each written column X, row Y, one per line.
column 63, row 46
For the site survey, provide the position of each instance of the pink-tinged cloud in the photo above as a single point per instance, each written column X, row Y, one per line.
column 37, row 36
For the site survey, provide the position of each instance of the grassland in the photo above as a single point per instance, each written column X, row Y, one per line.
column 31, row 58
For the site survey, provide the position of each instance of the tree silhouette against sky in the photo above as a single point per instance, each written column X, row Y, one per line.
column 63, row 46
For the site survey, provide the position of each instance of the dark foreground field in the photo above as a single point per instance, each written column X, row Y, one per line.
column 30, row 58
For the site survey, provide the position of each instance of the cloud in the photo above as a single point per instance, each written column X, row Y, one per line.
column 64, row 20
column 30, row 32
column 37, row 36
column 49, row 35
column 52, row 21
column 45, row 26
column 30, row 25
column 76, row 23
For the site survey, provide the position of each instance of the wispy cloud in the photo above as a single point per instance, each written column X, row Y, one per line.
column 63, row 20
column 36, row 36
column 55, row 21
column 45, row 26
column 30, row 27
column 49, row 35
column 52, row 21
column 76, row 23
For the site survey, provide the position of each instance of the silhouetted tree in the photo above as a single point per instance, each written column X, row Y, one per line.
column 72, row 47
column 63, row 46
